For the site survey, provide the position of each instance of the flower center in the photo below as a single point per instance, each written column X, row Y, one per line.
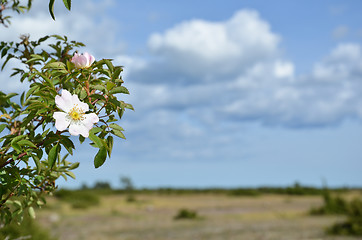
column 76, row 113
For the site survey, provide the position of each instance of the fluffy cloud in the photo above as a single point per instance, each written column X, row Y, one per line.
column 234, row 71
column 201, row 48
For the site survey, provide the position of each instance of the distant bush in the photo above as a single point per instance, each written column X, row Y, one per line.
column 186, row 214
column 102, row 185
column 353, row 225
column 244, row 192
column 128, row 189
column 78, row 199
column 28, row 229
column 332, row 205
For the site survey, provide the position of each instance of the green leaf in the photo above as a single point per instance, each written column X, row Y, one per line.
column 2, row 127
column 120, row 89
column 51, row 8
column 100, row 157
column 16, row 147
column 95, row 139
column 31, row 91
column 109, row 64
column 37, row 162
column 116, row 126
column 68, row 144
column 110, row 145
column 55, row 65
column 67, row 4
column 17, row 138
column 96, row 130
column 74, row 166
column 10, row 95
column 83, row 94
column 31, row 212
column 53, row 154
column 70, row 174
column 118, row 133
column 129, row 106
column 25, row 142
column 110, row 85
column 81, row 139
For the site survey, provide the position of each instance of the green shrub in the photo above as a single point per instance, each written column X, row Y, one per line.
column 332, row 205
column 28, row 229
column 78, row 199
column 353, row 226
column 186, row 214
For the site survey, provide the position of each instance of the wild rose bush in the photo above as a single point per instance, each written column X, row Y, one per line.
column 71, row 97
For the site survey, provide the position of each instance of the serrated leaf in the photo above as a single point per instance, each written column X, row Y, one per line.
column 110, row 85
column 25, row 142
column 116, row 126
column 17, row 138
column 94, row 138
column 118, row 133
column 100, row 157
column 120, row 89
column 55, row 65
column 52, row 156
column 96, row 130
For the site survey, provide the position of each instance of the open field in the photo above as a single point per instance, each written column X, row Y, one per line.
column 222, row 217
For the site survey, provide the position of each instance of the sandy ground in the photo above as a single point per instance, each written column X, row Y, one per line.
column 269, row 217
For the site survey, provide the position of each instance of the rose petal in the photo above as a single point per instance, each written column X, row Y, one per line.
column 75, row 57
column 90, row 119
column 76, row 129
column 61, row 121
column 90, row 59
column 64, row 102
column 83, row 106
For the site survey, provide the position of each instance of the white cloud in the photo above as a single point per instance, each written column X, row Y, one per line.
column 343, row 64
column 199, row 46
column 266, row 89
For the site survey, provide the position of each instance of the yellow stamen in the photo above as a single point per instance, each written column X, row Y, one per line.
column 76, row 113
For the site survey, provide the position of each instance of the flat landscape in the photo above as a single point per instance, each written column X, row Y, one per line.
column 220, row 217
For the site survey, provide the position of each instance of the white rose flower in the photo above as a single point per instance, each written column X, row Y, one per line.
column 73, row 115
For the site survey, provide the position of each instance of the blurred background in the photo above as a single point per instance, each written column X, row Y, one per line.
column 226, row 93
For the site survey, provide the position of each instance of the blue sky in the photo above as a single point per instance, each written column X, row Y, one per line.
column 227, row 93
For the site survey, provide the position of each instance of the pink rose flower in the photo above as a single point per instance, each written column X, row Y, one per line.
column 82, row 60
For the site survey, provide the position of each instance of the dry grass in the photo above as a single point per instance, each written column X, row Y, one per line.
column 268, row 217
